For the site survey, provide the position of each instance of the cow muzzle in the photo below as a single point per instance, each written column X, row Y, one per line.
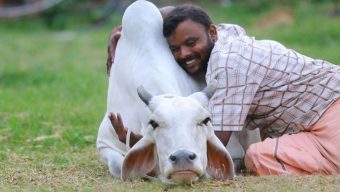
column 184, row 169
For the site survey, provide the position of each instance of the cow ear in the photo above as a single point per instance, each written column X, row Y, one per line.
column 140, row 160
column 204, row 96
column 201, row 98
column 220, row 164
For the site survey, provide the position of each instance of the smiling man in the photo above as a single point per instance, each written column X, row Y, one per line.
column 291, row 98
column 191, row 44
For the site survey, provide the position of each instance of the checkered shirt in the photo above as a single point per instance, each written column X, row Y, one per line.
column 262, row 84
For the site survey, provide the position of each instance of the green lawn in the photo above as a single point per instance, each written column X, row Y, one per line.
column 53, row 88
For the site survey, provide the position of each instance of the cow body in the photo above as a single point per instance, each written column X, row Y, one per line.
column 142, row 58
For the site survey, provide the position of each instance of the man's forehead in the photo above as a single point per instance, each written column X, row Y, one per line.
column 186, row 30
column 190, row 25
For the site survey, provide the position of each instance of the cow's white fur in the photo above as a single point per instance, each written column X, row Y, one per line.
column 182, row 126
column 142, row 58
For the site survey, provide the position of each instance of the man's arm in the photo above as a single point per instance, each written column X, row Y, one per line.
column 111, row 49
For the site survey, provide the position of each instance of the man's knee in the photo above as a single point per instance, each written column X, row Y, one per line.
column 251, row 155
column 252, row 151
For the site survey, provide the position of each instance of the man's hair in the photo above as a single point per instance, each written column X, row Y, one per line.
column 182, row 13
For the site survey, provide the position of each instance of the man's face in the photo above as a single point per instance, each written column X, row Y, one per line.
column 191, row 45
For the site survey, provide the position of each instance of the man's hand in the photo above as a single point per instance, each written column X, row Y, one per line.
column 111, row 49
column 121, row 130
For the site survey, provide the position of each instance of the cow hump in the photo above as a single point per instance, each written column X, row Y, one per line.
column 142, row 19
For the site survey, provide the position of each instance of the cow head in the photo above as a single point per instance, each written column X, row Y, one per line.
column 179, row 143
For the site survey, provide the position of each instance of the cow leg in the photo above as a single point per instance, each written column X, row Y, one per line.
column 111, row 150
column 236, row 151
column 239, row 143
column 113, row 160
column 248, row 137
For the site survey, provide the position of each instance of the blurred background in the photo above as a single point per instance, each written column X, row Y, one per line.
column 53, row 81
column 65, row 14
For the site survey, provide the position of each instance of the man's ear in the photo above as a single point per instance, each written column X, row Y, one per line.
column 213, row 32
column 141, row 159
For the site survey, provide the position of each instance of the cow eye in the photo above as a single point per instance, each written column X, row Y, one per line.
column 206, row 120
column 153, row 124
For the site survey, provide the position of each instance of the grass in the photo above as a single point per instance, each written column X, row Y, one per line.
column 53, row 95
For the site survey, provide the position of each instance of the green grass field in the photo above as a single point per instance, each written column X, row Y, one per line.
column 53, row 88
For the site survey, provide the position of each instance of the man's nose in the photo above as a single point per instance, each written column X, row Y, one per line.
column 185, row 52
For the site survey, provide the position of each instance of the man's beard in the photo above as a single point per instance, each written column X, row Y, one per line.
column 206, row 59
column 203, row 61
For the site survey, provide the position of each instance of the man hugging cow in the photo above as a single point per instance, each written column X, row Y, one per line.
column 293, row 99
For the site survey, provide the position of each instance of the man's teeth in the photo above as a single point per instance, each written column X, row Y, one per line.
column 189, row 62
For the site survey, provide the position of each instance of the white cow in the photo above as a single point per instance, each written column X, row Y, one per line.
column 143, row 58
column 179, row 144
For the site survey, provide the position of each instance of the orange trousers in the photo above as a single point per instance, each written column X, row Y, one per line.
column 316, row 150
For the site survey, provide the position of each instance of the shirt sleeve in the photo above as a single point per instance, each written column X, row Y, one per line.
column 236, row 90
column 230, row 30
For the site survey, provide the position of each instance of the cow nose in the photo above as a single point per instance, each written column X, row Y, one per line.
column 182, row 156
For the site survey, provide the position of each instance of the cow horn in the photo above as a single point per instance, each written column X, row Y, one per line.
column 210, row 89
column 144, row 95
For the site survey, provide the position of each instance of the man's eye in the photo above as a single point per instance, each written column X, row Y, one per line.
column 206, row 121
column 191, row 43
column 153, row 124
column 174, row 49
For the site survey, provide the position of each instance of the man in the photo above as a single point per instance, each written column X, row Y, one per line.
column 292, row 98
